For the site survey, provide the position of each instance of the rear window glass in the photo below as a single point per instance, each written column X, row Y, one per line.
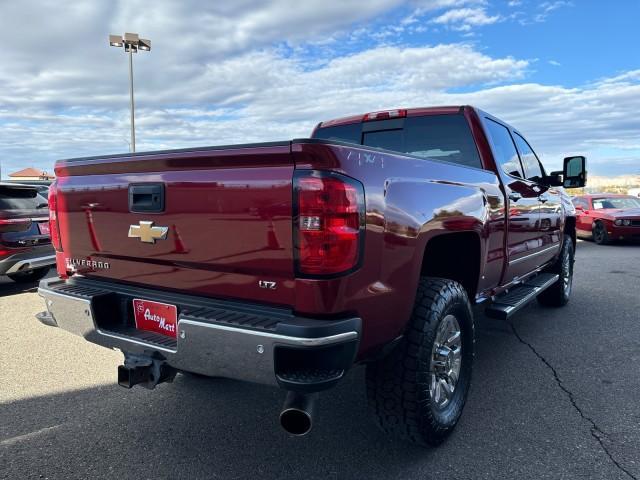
column 345, row 133
column 437, row 137
column 12, row 198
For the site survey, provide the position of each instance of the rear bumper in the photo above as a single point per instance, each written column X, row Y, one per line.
column 216, row 338
column 25, row 261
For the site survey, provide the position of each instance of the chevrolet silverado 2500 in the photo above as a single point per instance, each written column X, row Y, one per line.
column 287, row 263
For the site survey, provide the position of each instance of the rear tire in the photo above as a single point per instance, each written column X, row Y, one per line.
column 402, row 388
column 600, row 234
column 30, row 276
column 558, row 294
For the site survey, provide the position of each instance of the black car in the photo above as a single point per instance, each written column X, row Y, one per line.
column 26, row 253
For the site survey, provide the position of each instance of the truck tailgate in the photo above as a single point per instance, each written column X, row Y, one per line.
column 226, row 213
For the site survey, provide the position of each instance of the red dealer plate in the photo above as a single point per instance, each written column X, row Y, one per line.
column 44, row 228
column 156, row 317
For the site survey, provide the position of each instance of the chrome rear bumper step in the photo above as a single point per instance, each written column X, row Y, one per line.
column 215, row 338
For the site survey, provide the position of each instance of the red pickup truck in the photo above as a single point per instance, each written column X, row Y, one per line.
column 287, row 263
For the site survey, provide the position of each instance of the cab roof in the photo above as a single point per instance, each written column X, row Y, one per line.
column 403, row 112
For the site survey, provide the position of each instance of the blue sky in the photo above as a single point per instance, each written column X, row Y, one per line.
column 566, row 73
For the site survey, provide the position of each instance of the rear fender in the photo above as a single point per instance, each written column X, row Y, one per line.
column 419, row 211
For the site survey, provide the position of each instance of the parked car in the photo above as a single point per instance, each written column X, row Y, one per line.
column 43, row 190
column 26, row 253
column 286, row 263
column 605, row 217
column 42, row 186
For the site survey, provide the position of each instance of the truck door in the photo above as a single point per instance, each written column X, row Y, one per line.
column 522, row 202
column 551, row 225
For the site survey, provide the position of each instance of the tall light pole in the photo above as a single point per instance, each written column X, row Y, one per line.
column 131, row 43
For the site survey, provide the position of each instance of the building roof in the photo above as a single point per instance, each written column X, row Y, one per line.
column 30, row 172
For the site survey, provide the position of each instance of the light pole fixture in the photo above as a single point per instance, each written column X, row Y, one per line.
column 131, row 43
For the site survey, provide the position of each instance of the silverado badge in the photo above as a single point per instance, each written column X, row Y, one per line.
column 147, row 233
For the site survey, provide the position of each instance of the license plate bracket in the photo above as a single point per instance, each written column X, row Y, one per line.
column 156, row 317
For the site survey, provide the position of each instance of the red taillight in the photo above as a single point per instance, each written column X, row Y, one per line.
column 329, row 223
column 370, row 117
column 54, row 229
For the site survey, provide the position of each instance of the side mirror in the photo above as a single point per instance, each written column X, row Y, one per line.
column 575, row 172
column 579, row 208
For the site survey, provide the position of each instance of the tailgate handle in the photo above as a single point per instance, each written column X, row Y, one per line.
column 146, row 197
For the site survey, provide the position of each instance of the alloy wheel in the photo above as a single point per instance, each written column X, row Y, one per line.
column 446, row 361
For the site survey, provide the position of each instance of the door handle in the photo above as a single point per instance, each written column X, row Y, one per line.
column 146, row 197
column 515, row 196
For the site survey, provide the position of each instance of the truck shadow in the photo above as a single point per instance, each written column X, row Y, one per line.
column 198, row 427
column 9, row 287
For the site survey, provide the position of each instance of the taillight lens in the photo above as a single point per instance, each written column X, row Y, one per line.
column 54, row 229
column 329, row 223
column 386, row 114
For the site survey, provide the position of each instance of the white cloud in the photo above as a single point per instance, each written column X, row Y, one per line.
column 232, row 72
column 427, row 5
column 596, row 119
column 464, row 19
column 546, row 8
column 252, row 97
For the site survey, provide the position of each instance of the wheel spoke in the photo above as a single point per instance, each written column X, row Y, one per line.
column 454, row 339
column 446, row 360
column 438, row 392
column 447, row 389
column 456, row 355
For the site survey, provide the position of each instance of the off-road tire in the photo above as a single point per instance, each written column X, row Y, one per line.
column 558, row 294
column 398, row 384
column 29, row 277
column 600, row 234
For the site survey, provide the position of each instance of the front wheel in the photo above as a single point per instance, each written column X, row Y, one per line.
column 418, row 391
column 600, row 234
column 30, row 276
column 557, row 295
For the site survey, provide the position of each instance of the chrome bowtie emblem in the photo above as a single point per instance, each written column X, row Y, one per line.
column 147, row 233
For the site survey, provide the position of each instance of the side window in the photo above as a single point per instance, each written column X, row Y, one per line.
column 532, row 168
column 579, row 202
column 504, row 150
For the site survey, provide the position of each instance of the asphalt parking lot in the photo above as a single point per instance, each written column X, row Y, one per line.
column 556, row 394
